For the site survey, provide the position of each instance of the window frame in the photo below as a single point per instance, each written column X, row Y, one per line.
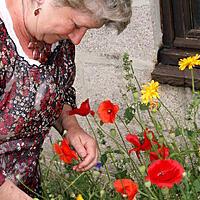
column 180, row 39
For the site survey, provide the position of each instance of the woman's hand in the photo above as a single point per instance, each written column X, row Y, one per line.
column 85, row 146
column 9, row 191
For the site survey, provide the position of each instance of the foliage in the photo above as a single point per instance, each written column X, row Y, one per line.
column 159, row 161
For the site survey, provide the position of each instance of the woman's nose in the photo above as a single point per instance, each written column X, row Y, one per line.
column 77, row 35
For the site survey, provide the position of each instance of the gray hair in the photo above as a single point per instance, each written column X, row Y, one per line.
column 114, row 13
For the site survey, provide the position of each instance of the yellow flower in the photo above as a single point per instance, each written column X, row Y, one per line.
column 150, row 92
column 79, row 197
column 189, row 62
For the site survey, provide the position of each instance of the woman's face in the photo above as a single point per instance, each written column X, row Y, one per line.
column 57, row 23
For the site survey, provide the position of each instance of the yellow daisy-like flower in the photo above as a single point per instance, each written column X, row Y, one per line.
column 150, row 92
column 189, row 62
column 79, row 197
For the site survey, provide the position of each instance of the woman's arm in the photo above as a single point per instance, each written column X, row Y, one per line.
column 83, row 143
column 9, row 191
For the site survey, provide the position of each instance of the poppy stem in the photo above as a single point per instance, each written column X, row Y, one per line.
column 120, row 135
column 63, row 178
column 144, row 194
column 107, row 172
column 169, row 113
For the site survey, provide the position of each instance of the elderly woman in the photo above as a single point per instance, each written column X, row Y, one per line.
column 37, row 70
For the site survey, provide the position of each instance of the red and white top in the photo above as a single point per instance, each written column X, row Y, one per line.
column 32, row 96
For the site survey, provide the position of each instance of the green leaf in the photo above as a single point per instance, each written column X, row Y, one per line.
column 190, row 133
column 113, row 132
column 196, row 185
column 129, row 114
column 178, row 131
column 158, row 125
column 144, row 106
column 103, row 158
column 121, row 174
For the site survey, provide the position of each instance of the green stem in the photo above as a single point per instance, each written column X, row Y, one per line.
column 142, row 193
column 142, row 126
column 117, row 143
column 170, row 113
column 124, row 124
column 163, row 120
column 72, row 183
column 192, row 75
column 93, row 132
column 140, row 119
column 49, row 166
column 61, row 177
column 31, row 189
column 120, row 135
column 107, row 172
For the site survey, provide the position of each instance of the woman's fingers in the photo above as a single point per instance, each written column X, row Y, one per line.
column 88, row 162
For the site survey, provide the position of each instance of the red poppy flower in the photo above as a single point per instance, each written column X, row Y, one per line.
column 126, row 187
column 165, row 173
column 141, row 146
column 64, row 151
column 162, row 152
column 107, row 111
column 84, row 109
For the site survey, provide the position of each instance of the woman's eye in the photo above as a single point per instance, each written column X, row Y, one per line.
column 76, row 26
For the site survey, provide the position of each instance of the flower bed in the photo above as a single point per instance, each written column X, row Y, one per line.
column 149, row 163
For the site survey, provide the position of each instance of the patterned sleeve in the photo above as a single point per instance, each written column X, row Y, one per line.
column 2, row 178
column 69, row 73
column 2, row 80
column 6, row 68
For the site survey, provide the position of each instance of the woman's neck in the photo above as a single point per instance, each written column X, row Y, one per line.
column 16, row 11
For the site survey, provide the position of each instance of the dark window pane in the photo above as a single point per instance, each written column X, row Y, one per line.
column 196, row 13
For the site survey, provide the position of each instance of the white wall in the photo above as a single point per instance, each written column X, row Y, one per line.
column 98, row 58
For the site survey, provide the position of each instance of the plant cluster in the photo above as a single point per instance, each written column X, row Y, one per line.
column 139, row 159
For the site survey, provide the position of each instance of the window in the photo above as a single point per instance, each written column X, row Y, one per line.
column 181, row 38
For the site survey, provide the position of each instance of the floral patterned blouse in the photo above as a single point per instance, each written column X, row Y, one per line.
column 31, row 99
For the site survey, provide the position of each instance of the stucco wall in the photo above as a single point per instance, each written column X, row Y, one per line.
column 98, row 59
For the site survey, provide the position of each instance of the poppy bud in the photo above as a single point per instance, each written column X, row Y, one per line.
column 147, row 184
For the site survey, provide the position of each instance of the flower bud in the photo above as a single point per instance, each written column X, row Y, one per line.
column 184, row 174
column 113, row 132
column 96, row 173
column 172, row 135
column 135, row 96
column 154, row 110
column 124, row 196
column 142, row 169
column 199, row 152
column 150, row 136
column 72, row 195
column 165, row 191
column 147, row 184
column 102, row 193
column 161, row 140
